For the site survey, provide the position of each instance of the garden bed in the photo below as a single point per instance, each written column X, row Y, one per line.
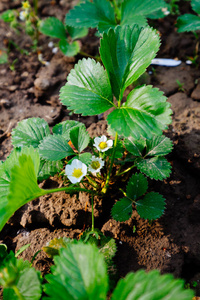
column 170, row 244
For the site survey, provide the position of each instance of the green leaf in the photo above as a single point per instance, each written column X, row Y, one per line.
column 159, row 145
column 88, row 89
column 85, row 158
column 134, row 146
column 79, row 137
column 151, row 207
column 159, row 14
column 76, row 33
column 8, row 16
column 53, row 247
column 65, row 127
column 151, row 286
column 136, row 186
column 89, row 14
column 144, row 114
column 135, row 11
column 126, row 52
column 122, row 210
column 54, row 147
column 3, row 57
column 79, row 273
column 30, row 132
column 49, row 168
column 69, row 49
column 156, row 168
column 18, row 274
column 188, row 22
column 18, row 182
column 196, row 6
column 53, row 27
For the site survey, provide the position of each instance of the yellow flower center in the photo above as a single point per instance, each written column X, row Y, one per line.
column 103, row 145
column 95, row 164
column 77, row 173
column 25, row 5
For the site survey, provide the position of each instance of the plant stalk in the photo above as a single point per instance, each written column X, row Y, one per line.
column 35, row 5
column 17, row 292
column 104, row 190
column 125, row 171
column 92, row 203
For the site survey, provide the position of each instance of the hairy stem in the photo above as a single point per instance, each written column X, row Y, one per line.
column 35, row 4
column 104, row 190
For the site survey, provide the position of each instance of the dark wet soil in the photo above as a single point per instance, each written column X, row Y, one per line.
column 170, row 244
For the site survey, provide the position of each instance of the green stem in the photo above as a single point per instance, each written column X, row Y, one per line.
column 111, row 165
column 117, row 12
column 17, row 292
column 125, row 171
column 35, row 4
column 92, row 203
column 97, row 58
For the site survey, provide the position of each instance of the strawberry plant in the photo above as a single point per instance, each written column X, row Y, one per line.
column 190, row 22
column 136, row 123
column 105, row 14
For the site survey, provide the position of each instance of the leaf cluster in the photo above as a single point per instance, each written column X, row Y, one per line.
column 67, row 35
column 190, row 22
column 105, row 14
column 80, row 272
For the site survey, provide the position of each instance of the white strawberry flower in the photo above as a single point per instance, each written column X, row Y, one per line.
column 23, row 15
column 102, row 144
column 96, row 165
column 75, row 171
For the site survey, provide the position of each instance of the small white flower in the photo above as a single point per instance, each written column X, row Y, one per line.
column 96, row 165
column 50, row 44
column 76, row 171
column 23, row 15
column 55, row 50
column 102, row 144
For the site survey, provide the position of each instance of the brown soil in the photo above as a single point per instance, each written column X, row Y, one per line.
column 170, row 244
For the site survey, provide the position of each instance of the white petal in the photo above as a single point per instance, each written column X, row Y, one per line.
column 73, row 179
column 110, row 143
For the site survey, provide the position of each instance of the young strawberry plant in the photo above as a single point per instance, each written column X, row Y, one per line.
column 136, row 123
column 105, row 14
column 68, row 44
column 190, row 22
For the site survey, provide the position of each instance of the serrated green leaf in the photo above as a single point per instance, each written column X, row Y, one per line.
column 69, row 49
column 85, row 158
column 108, row 250
column 136, row 186
column 134, row 146
column 144, row 114
column 8, row 15
column 53, row 27
column 54, row 246
column 196, row 6
column 54, row 147
column 49, row 168
column 158, row 145
column 188, row 22
column 122, row 210
column 65, row 127
column 151, row 286
column 79, row 137
column 18, row 182
column 30, row 132
column 151, row 207
column 88, row 89
column 89, row 14
column 126, row 52
column 135, row 11
column 156, row 168
column 77, row 33
column 160, row 13
column 79, row 273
